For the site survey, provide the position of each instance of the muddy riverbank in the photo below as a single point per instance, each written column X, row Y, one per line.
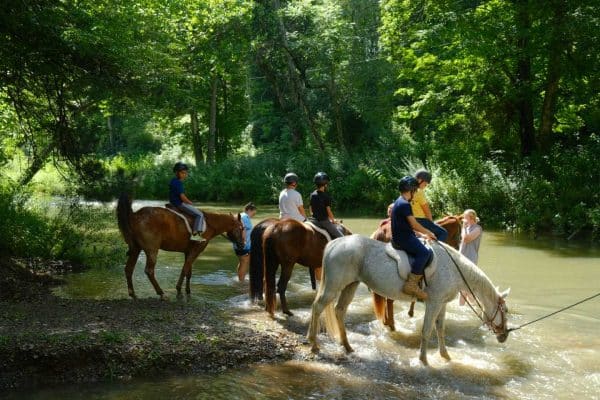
column 48, row 340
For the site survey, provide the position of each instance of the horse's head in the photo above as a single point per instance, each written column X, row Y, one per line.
column 497, row 323
column 237, row 233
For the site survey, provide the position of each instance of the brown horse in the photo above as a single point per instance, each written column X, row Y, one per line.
column 287, row 242
column 153, row 228
column 384, row 308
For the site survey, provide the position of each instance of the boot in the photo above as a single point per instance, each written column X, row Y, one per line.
column 411, row 287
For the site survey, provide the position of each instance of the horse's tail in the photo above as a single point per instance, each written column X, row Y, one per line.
column 328, row 315
column 256, row 262
column 124, row 212
column 379, row 306
column 270, row 263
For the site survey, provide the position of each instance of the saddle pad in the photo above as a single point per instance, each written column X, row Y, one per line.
column 403, row 261
column 314, row 227
column 186, row 220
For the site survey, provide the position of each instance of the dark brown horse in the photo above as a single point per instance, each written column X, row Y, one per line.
column 384, row 308
column 284, row 242
column 153, row 228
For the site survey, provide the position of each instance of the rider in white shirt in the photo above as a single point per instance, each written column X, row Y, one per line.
column 290, row 201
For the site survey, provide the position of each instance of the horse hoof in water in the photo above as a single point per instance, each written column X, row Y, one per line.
column 288, row 312
column 445, row 355
column 315, row 349
column 424, row 361
column 163, row 297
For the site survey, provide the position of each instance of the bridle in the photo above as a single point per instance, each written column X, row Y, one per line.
column 500, row 308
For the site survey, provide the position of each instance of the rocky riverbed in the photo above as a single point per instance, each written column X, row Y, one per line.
column 47, row 340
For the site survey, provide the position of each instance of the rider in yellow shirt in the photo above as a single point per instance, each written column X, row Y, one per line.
column 420, row 206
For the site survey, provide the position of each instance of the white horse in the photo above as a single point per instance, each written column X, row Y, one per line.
column 349, row 260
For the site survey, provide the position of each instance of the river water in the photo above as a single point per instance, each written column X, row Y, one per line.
column 557, row 358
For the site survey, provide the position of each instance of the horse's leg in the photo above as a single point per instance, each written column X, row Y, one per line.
column 181, row 275
column 388, row 319
column 411, row 310
column 340, row 312
column 441, row 332
column 286, row 274
column 192, row 254
column 150, row 264
column 132, row 256
column 318, row 273
column 431, row 312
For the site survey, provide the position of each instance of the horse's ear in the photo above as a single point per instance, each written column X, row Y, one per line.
column 505, row 293
column 239, row 217
column 341, row 221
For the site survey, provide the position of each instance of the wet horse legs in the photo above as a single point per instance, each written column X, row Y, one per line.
column 132, row 256
column 191, row 254
column 150, row 264
column 286, row 274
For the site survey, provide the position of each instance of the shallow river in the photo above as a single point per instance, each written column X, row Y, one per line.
column 557, row 358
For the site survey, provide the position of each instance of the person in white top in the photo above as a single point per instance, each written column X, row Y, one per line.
column 471, row 233
column 290, row 201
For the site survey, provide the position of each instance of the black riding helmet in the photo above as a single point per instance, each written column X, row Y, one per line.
column 423, row 175
column 407, row 184
column 179, row 166
column 290, row 177
column 321, row 179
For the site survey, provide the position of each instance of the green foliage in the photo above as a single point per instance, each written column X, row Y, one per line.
column 60, row 229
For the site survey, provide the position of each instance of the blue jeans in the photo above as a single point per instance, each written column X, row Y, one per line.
column 417, row 249
column 189, row 209
column 438, row 231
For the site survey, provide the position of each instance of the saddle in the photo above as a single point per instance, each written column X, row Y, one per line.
column 405, row 261
column 187, row 218
column 310, row 226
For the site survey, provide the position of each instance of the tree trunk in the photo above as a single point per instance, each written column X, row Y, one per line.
column 524, row 93
column 196, row 139
column 556, row 49
column 337, row 110
column 297, row 82
column 212, row 127
column 39, row 160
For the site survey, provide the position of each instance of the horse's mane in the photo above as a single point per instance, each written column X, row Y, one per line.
column 473, row 274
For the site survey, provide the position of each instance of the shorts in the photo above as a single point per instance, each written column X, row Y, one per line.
column 242, row 252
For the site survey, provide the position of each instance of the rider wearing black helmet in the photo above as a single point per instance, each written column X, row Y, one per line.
column 404, row 225
column 178, row 198
column 420, row 206
column 320, row 206
column 290, row 201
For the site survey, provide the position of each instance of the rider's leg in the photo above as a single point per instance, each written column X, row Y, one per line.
column 440, row 233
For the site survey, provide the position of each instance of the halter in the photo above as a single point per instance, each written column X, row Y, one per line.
column 500, row 305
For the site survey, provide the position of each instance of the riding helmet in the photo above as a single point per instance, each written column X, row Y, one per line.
column 407, row 184
column 290, row 177
column 320, row 178
column 179, row 166
column 423, row 175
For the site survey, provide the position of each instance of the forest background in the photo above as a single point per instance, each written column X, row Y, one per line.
column 499, row 99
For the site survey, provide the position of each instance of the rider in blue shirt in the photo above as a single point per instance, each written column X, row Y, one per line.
column 178, row 198
column 404, row 225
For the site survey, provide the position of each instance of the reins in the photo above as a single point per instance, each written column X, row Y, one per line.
column 494, row 316
column 555, row 312
column 490, row 323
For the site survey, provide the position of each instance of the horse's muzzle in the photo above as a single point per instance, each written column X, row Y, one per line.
column 502, row 337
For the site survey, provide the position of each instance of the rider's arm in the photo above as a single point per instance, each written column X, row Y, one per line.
column 427, row 211
column 184, row 198
column 301, row 211
column 330, row 214
column 420, row 228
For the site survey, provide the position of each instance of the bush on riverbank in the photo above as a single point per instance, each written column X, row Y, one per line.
column 59, row 229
